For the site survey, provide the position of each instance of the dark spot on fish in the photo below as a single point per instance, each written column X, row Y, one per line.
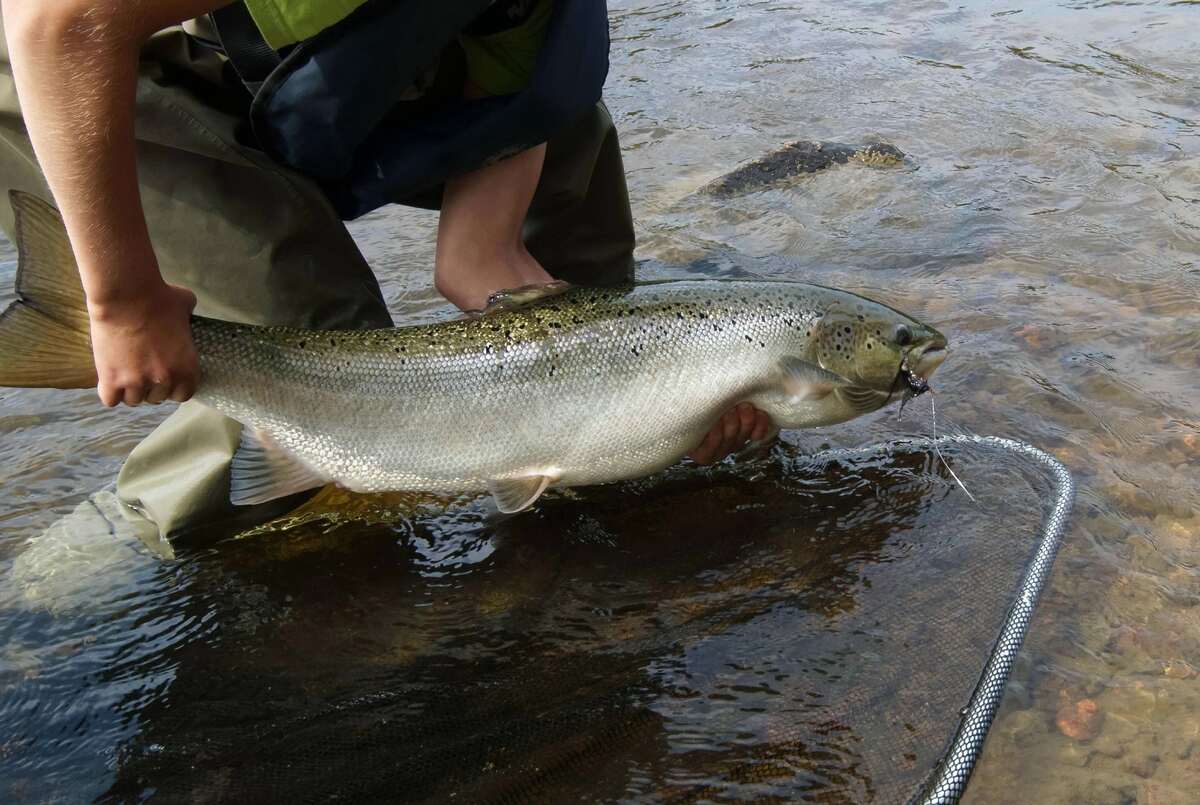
column 303, row 344
column 333, row 342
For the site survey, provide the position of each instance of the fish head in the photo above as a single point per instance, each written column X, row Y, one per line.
column 883, row 353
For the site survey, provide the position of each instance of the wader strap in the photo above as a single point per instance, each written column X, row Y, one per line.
column 248, row 52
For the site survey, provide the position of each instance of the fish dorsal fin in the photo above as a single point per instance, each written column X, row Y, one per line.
column 262, row 471
column 804, row 381
column 517, row 494
column 513, row 298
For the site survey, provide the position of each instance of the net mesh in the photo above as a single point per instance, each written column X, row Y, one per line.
column 808, row 629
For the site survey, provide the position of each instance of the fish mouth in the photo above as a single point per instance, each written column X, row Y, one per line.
column 927, row 361
column 913, row 378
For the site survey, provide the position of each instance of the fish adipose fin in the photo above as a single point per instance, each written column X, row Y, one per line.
column 45, row 340
column 262, row 471
column 807, row 381
column 517, row 494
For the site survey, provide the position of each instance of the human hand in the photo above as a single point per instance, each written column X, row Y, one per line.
column 741, row 424
column 143, row 347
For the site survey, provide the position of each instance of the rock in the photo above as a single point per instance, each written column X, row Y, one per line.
column 1176, row 535
column 1031, row 334
column 1178, row 669
column 1117, row 736
column 1091, row 791
column 1023, row 728
column 1145, row 555
column 1094, row 631
column 1143, row 764
column 1156, row 793
column 1081, row 720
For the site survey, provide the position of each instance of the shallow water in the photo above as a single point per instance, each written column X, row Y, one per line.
column 1048, row 221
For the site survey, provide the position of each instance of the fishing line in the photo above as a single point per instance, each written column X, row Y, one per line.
column 938, row 450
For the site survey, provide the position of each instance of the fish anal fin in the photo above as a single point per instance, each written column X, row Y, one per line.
column 517, row 494
column 805, row 381
column 263, row 471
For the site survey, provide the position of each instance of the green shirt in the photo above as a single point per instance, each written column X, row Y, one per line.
column 499, row 63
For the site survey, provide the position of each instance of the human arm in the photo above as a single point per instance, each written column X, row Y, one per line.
column 75, row 67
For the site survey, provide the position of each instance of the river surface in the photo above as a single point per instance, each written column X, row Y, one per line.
column 709, row 635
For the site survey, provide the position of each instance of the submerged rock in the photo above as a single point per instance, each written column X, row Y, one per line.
column 1080, row 720
column 799, row 158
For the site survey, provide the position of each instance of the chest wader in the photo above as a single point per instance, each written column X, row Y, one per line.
column 262, row 243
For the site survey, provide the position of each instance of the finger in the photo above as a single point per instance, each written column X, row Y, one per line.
column 158, row 392
column 109, row 394
column 134, row 394
column 730, row 424
column 183, row 391
column 746, row 417
column 707, row 450
column 762, row 426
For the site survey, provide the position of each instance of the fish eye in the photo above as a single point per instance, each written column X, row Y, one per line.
column 902, row 335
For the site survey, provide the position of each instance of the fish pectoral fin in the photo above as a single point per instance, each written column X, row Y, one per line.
column 863, row 400
column 262, row 471
column 803, row 380
column 512, row 298
column 517, row 494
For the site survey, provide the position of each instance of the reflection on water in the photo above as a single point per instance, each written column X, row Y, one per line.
column 770, row 631
column 747, row 634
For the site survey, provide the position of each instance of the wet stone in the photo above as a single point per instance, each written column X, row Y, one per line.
column 1079, row 720
column 1153, row 792
column 1178, row 669
column 1024, row 728
column 1145, row 555
column 1143, row 764
column 1118, row 735
column 1094, row 631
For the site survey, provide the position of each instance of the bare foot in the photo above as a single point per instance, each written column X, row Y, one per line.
column 480, row 249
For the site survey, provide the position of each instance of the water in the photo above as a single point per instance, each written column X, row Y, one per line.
column 667, row 633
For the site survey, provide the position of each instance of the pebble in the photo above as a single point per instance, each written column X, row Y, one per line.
column 1081, row 720
column 1178, row 669
column 1156, row 793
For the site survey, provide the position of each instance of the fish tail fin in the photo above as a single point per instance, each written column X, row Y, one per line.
column 45, row 339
